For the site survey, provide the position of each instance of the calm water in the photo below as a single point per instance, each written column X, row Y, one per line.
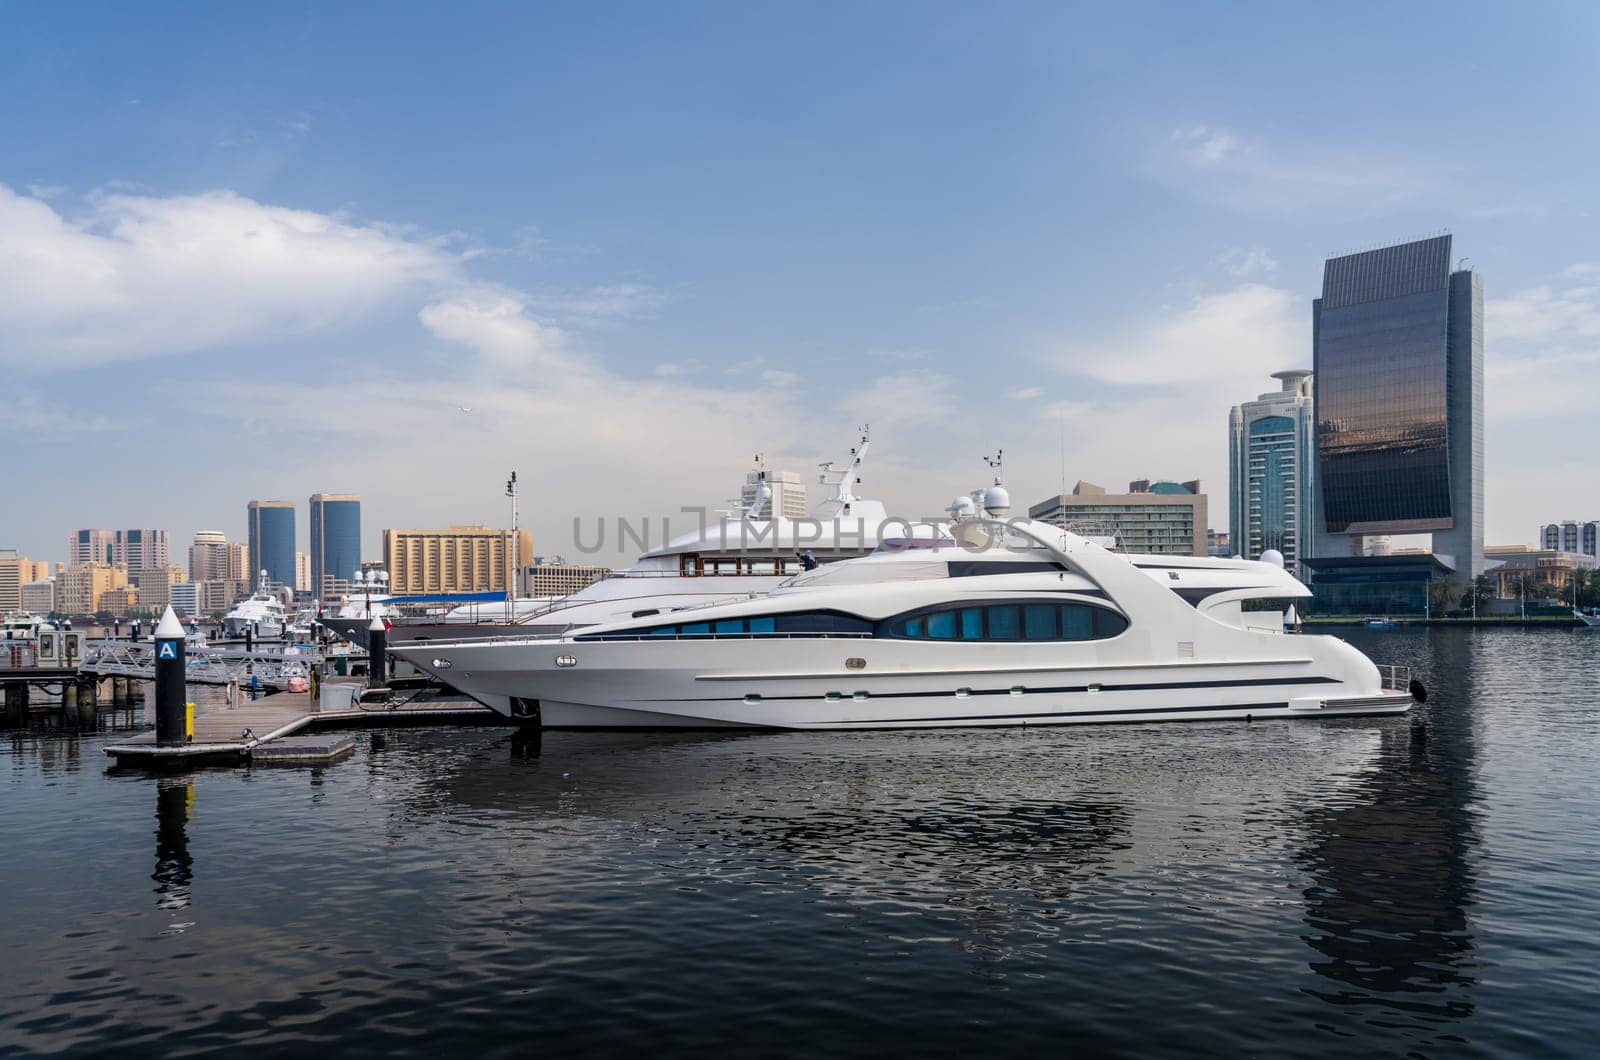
column 1288, row 888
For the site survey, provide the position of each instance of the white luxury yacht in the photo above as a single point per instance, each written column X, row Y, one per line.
column 986, row 622
column 262, row 613
column 734, row 557
column 23, row 625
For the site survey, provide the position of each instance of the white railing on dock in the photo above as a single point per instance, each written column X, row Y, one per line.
column 271, row 668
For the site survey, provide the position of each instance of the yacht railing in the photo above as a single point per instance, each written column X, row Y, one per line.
column 721, row 636
column 1395, row 678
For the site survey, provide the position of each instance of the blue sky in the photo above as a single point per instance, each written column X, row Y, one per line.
column 261, row 252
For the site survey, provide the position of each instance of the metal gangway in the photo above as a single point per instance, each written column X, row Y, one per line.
column 264, row 667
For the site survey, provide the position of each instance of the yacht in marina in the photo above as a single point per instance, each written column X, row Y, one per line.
column 983, row 621
column 262, row 613
column 23, row 625
column 736, row 556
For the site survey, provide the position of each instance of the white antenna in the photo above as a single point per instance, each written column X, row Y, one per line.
column 994, row 463
column 511, row 582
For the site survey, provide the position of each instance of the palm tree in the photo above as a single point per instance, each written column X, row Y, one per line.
column 1442, row 593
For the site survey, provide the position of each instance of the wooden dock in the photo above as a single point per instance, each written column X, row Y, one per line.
column 248, row 732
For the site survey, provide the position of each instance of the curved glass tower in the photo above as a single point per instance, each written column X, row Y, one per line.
column 335, row 540
column 271, row 542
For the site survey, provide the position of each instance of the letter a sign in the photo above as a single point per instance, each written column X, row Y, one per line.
column 167, row 649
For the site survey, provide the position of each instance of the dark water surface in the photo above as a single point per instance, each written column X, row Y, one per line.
column 1333, row 888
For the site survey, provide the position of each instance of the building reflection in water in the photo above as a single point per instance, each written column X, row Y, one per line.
column 174, row 865
column 1392, row 871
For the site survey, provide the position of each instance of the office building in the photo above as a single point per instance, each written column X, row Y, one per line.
column 16, row 571
column 91, row 546
column 460, row 559
column 1397, row 348
column 1270, row 470
column 140, row 550
column 302, row 572
column 788, row 497
column 1219, row 543
column 335, row 541
column 40, row 596
column 80, row 586
column 209, row 555
column 184, row 599
column 1571, row 536
column 155, row 585
column 271, row 541
column 1161, row 518
column 556, row 577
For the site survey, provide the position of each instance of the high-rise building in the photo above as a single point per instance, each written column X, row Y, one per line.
column 1397, row 348
column 335, row 541
column 208, row 556
column 1582, row 538
column 1151, row 518
column 16, row 571
column 271, row 541
column 91, row 546
column 788, row 494
column 1270, row 470
column 140, row 550
column 461, row 559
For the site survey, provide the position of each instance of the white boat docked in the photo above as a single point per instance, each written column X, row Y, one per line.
column 990, row 623
column 733, row 557
column 261, row 614
column 23, row 625
column 1590, row 619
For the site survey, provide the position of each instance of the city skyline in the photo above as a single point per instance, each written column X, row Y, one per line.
column 972, row 232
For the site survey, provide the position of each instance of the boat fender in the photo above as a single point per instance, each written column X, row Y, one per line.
column 1418, row 691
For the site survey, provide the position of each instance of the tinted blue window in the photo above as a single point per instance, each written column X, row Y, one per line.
column 691, row 629
column 730, row 625
column 1005, row 622
column 972, row 623
column 1040, row 621
column 1107, row 623
column 664, row 631
column 913, row 627
column 942, row 626
column 760, row 625
column 1077, row 622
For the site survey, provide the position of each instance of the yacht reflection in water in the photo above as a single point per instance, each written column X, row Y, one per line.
column 1392, row 872
column 174, row 866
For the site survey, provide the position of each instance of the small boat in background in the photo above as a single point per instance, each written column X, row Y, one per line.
column 1591, row 620
column 1380, row 622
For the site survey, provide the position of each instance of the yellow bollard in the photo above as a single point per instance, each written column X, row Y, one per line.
column 188, row 722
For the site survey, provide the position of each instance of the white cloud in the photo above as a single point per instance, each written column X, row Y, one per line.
column 495, row 322
column 1245, row 263
column 746, row 365
column 910, row 397
column 139, row 275
column 668, row 369
column 618, row 301
column 1025, row 393
column 1206, row 146
column 779, row 378
column 1233, row 338
column 31, row 413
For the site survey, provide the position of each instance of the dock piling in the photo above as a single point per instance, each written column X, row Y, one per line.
column 377, row 654
column 88, row 704
column 171, row 690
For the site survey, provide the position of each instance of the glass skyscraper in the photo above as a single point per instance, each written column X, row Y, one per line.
column 1397, row 340
column 1270, row 471
column 271, row 542
column 335, row 540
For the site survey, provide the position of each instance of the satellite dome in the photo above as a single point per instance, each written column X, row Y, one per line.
column 996, row 501
column 1272, row 556
column 962, row 507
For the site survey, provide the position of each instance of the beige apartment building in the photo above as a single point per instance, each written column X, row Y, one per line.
column 119, row 602
column 39, row 597
column 155, row 586
column 80, row 586
column 460, row 559
column 1163, row 518
column 16, row 571
column 558, row 578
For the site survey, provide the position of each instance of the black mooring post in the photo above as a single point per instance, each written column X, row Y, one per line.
column 377, row 654
column 171, row 681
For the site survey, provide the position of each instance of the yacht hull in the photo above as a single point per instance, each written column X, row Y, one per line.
column 566, row 684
